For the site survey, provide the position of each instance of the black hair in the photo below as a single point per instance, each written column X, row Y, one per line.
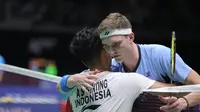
column 87, row 46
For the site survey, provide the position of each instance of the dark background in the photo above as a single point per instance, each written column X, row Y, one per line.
column 153, row 22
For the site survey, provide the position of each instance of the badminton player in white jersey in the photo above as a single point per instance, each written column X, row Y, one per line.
column 152, row 61
column 105, row 96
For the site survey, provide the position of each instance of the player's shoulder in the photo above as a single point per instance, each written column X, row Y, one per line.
column 131, row 78
column 116, row 74
column 134, row 74
column 112, row 76
column 126, row 75
column 119, row 74
column 154, row 49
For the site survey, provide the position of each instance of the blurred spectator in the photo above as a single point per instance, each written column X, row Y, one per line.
column 2, row 60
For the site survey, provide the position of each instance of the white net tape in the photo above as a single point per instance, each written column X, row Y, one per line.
column 56, row 79
column 177, row 89
column 30, row 73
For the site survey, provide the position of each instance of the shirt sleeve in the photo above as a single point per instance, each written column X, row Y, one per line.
column 134, row 84
column 163, row 56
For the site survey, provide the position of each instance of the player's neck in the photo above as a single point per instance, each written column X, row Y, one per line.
column 99, row 68
column 131, row 61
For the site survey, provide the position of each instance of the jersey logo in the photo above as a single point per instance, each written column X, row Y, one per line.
column 106, row 33
column 91, row 107
column 148, row 74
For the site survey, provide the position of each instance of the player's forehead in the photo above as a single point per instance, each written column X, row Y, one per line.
column 113, row 40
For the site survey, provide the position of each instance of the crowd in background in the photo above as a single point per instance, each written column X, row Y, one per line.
column 31, row 20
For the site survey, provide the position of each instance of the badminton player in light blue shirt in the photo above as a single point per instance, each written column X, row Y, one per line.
column 153, row 61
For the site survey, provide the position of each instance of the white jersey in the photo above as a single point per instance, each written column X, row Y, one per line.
column 114, row 92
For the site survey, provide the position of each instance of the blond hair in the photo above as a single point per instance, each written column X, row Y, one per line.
column 114, row 21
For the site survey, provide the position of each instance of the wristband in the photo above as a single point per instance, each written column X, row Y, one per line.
column 63, row 84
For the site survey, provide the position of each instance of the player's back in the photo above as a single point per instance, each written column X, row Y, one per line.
column 111, row 93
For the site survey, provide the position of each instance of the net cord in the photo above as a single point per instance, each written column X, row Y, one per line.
column 30, row 73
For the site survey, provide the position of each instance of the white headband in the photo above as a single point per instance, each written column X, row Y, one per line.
column 109, row 33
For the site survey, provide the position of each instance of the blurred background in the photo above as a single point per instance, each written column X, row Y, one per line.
column 35, row 34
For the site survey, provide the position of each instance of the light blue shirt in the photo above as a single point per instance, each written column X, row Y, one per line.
column 2, row 60
column 155, row 63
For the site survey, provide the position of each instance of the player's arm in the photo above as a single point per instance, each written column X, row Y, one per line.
column 193, row 78
column 183, row 73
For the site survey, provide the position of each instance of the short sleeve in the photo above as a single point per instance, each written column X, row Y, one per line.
column 134, row 83
column 182, row 70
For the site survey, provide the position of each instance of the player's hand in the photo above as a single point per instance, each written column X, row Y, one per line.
column 84, row 80
column 173, row 104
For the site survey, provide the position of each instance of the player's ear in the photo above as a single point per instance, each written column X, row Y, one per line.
column 131, row 36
